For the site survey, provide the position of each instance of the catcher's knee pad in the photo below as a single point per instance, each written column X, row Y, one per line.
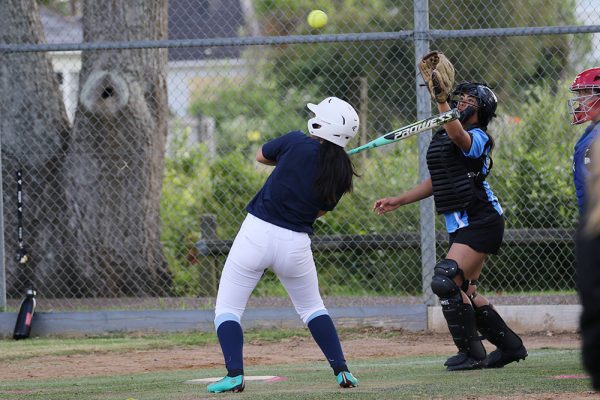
column 442, row 283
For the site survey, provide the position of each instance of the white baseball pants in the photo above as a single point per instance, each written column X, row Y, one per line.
column 260, row 245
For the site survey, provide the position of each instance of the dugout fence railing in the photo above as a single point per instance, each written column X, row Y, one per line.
column 211, row 248
column 94, row 184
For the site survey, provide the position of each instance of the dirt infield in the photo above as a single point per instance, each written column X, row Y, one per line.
column 362, row 345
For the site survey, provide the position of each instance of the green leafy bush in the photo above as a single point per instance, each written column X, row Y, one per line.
column 531, row 176
column 249, row 114
column 186, row 193
column 532, row 171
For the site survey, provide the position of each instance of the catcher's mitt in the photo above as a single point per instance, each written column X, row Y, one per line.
column 438, row 73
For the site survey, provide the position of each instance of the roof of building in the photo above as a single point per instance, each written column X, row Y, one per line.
column 188, row 19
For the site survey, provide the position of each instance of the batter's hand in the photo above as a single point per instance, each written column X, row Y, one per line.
column 385, row 205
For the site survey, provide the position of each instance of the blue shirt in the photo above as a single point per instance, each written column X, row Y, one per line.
column 288, row 198
column 581, row 160
column 486, row 206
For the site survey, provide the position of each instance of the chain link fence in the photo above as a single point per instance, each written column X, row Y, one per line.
column 135, row 128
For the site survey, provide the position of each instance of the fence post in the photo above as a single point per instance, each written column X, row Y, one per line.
column 209, row 265
column 428, row 255
column 2, row 264
column 363, row 111
column 207, row 135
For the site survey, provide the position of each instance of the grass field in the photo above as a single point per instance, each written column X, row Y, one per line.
column 548, row 373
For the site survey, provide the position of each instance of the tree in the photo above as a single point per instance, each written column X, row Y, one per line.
column 34, row 132
column 93, row 188
column 508, row 64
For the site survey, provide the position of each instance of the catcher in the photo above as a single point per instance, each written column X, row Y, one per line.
column 459, row 160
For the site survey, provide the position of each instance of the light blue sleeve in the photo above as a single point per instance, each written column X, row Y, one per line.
column 478, row 141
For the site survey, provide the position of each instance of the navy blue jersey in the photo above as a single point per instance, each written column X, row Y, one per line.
column 581, row 160
column 288, row 198
column 486, row 207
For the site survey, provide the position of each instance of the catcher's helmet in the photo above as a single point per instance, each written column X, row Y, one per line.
column 487, row 102
column 335, row 121
column 585, row 106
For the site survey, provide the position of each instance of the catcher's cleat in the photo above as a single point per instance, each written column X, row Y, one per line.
column 500, row 357
column 468, row 364
column 346, row 380
column 456, row 359
column 228, row 384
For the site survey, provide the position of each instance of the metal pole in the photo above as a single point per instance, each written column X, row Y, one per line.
column 428, row 255
column 363, row 111
column 2, row 265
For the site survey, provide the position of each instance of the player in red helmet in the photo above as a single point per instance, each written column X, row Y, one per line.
column 584, row 107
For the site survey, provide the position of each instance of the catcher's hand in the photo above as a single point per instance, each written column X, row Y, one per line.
column 438, row 73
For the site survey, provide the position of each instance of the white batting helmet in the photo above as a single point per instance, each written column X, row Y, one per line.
column 335, row 121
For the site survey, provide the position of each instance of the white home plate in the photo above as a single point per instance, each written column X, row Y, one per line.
column 266, row 378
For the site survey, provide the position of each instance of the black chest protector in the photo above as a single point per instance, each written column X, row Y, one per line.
column 453, row 175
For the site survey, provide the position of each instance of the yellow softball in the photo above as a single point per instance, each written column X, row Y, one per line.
column 317, row 19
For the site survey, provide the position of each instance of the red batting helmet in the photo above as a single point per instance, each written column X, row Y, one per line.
column 585, row 106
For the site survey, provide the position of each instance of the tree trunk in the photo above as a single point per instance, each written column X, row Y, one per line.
column 34, row 130
column 115, row 161
column 91, row 192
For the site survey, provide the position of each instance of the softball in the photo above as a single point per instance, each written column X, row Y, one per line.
column 317, row 19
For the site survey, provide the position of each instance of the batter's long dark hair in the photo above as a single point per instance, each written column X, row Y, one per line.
column 335, row 173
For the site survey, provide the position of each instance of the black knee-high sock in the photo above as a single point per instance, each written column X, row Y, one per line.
column 325, row 334
column 231, row 339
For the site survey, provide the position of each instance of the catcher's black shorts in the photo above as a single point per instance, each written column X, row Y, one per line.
column 485, row 238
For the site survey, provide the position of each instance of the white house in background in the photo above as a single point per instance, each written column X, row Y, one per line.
column 67, row 64
column 188, row 69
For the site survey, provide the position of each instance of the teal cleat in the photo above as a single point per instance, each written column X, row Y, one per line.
column 228, row 384
column 346, row 380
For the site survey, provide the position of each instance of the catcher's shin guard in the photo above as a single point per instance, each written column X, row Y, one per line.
column 509, row 345
column 461, row 323
column 460, row 318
